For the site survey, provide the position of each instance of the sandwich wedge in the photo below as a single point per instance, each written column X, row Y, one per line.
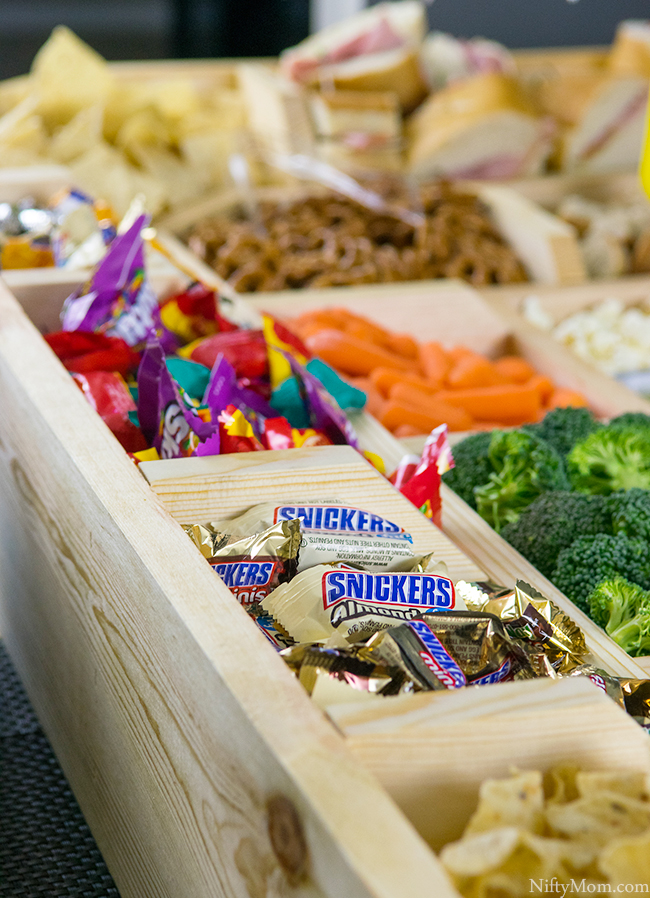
column 481, row 127
column 375, row 50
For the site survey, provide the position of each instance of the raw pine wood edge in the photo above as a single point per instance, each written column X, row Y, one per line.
column 201, row 489
column 173, row 718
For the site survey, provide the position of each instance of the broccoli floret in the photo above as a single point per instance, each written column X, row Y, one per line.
column 590, row 560
column 523, row 467
column 564, row 427
column 472, row 466
column 638, row 420
column 553, row 522
column 631, row 513
column 623, row 610
column 612, row 458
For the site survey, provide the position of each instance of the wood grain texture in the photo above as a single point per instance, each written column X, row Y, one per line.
column 196, row 490
column 547, row 246
column 436, row 748
column 173, row 718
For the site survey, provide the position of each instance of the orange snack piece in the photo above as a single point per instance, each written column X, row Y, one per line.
column 473, row 370
column 515, row 369
column 385, row 378
column 351, row 354
column 512, row 403
column 455, row 418
column 563, row 398
column 403, row 344
column 544, row 385
column 435, row 361
column 397, row 413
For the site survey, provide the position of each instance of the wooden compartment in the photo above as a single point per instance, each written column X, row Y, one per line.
column 546, row 246
column 452, row 312
column 185, row 737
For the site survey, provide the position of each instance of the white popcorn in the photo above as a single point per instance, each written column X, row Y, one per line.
column 611, row 336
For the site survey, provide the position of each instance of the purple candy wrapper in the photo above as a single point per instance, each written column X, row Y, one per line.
column 118, row 300
column 223, row 389
column 175, row 430
column 324, row 413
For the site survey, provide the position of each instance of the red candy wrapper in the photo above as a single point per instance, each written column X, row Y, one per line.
column 420, row 481
column 84, row 351
column 279, row 434
column 245, row 350
column 109, row 395
column 193, row 314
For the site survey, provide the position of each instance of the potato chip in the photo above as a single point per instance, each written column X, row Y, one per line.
column 24, row 142
column 627, row 861
column 82, row 133
column 13, row 91
column 633, row 783
column 504, row 861
column 182, row 183
column 68, row 75
column 560, row 784
column 599, row 817
column 476, row 854
column 104, row 174
column 174, row 98
column 210, row 153
column 125, row 100
column 143, row 128
column 517, row 801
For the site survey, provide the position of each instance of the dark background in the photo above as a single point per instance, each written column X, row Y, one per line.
column 154, row 29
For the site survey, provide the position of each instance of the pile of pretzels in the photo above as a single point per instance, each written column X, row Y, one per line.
column 328, row 240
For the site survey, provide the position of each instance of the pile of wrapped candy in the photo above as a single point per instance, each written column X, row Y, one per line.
column 179, row 378
column 70, row 230
column 342, row 595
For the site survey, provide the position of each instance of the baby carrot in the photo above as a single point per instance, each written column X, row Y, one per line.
column 435, row 361
column 397, row 413
column 322, row 317
column 385, row 378
column 352, row 355
column 515, row 369
column 544, row 385
column 403, row 344
column 473, row 370
column 508, row 404
column 563, row 398
column 456, row 418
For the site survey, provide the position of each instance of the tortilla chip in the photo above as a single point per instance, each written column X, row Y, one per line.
column 80, row 135
column 68, row 76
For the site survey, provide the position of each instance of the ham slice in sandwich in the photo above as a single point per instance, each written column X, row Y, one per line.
column 602, row 113
column 376, row 50
column 482, row 127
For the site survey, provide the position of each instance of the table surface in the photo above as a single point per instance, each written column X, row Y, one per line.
column 46, row 847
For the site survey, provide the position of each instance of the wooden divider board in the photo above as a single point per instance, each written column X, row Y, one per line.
column 115, row 592
column 457, row 306
column 437, row 748
column 196, row 490
column 563, row 301
column 173, row 718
